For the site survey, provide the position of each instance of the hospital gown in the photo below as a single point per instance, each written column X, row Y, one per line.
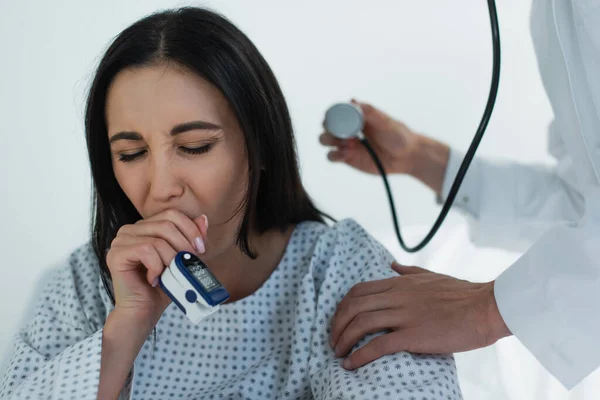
column 273, row 344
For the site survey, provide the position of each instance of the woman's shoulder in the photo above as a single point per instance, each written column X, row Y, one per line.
column 341, row 229
column 345, row 238
column 346, row 252
column 72, row 288
column 80, row 264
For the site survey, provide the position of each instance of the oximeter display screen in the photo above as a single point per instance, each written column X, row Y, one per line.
column 206, row 279
column 202, row 274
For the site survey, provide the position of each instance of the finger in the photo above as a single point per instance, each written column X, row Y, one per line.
column 350, row 307
column 337, row 155
column 152, row 253
column 375, row 119
column 365, row 323
column 327, row 139
column 153, row 263
column 405, row 270
column 365, row 107
column 165, row 252
column 202, row 224
column 191, row 230
column 166, row 230
column 371, row 287
column 356, row 102
column 176, row 228
column 380, row 346
column 135, row 246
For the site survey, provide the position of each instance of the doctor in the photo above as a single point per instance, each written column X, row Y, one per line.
column 550, row 297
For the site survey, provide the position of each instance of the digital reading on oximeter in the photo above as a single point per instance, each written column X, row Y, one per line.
column 201, row 272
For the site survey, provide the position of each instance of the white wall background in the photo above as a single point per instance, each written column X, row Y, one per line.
column 428, row 63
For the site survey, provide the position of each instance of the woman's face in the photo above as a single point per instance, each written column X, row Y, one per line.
column 175, row 144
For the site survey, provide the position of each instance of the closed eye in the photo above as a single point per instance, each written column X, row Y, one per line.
column 131, row 157
column 187, row 150
column 196, row 150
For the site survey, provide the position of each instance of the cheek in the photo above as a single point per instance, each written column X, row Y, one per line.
column 132, row 182
column 220, row 186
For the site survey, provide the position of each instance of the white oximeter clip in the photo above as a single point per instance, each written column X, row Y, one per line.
column 192, row 287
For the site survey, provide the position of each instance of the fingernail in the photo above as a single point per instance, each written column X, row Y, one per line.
column 206, row 221
column 199, row 245
column 155, row 282
column 346, row 364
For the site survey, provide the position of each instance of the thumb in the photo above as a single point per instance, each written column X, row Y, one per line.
column 405, row 270
column 367, row 109
column 375, row 120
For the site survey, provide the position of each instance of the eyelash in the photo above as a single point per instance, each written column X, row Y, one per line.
column 188, row 150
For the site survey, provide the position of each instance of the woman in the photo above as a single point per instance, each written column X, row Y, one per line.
column 191, row 148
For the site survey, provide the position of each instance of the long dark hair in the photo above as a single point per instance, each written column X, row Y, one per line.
column 212, row 47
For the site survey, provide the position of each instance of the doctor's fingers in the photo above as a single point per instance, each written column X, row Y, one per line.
column 327, row 139
column 371, row 287
column 380, row 346
column 351, row 306
column 338, row 155
column 366, row 323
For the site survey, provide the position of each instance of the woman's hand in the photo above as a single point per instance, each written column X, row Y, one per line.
column 139, row 254
column 137, row 257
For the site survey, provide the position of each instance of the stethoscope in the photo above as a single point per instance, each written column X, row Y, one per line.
column 345, row 121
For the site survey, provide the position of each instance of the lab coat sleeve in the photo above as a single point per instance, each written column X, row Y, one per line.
column 57, row 352
column 510, row 204
column 549, row 297
column 350, row 255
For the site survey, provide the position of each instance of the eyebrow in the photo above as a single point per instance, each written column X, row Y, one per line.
column 177, row 129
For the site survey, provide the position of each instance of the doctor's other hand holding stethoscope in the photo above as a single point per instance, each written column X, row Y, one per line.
column 427, row 312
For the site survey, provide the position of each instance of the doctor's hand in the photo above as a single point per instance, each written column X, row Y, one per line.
column 424, row 312
column 394, row 143
column 400, row 149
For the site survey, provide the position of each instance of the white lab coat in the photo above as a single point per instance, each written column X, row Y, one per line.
column 550, row 297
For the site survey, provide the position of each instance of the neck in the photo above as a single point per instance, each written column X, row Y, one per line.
column 242, row 275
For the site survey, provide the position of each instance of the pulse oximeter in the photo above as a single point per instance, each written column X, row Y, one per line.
column 192, row 287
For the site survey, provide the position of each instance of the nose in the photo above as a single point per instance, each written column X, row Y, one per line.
column 164, row 182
